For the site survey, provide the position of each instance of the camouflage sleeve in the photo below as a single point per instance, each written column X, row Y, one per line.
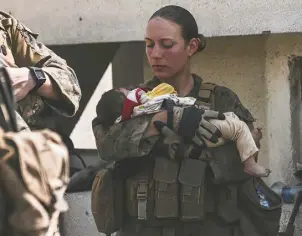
column 28, row 51
column 227, row 101
column 123, row 140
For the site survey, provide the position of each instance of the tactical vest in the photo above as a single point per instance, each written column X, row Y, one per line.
column 165, row 193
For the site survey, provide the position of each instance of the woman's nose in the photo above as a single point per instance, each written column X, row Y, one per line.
column 156, row 52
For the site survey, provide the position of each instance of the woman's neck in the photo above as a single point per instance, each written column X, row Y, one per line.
column 182, row 83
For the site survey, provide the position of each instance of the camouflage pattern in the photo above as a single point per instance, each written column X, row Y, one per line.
column 125, row 139
column 20, row 48
column 122, row 141
column 37, row 166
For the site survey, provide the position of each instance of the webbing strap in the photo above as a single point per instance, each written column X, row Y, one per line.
column 7, row 113
column 142, row 194
column 169, row 104
column 205, row 97
column 7, row 22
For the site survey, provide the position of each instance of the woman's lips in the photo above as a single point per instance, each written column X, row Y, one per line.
column 158, row 66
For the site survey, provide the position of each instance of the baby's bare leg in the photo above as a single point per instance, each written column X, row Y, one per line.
column 253, row 168
column 232, row 128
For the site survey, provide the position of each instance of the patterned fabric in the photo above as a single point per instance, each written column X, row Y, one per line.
column 19, row 47
column 126, row 139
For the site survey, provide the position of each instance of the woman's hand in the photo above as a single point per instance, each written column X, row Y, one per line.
column 194, row 125
column 191, row 124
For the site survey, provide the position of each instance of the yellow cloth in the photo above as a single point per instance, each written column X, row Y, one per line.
column 161, row 89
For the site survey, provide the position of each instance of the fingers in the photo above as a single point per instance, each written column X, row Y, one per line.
column 210, row 114
column 170, row 137
column 198, row 141
column 210, row 128
column 204, row 133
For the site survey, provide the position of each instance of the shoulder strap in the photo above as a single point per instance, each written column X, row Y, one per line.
column 206, row 96
column 6, row 20
column 5, row 14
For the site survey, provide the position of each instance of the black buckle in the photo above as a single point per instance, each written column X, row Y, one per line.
column 169, row 104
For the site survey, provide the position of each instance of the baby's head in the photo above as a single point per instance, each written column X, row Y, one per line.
column 106, row 111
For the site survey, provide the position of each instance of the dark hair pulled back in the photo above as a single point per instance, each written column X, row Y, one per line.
column 185, row 20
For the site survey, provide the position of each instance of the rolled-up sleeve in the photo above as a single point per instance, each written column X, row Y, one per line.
column 28, row 51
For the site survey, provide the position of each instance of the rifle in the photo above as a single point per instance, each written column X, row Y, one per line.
column 290, row 228
column 7, row 112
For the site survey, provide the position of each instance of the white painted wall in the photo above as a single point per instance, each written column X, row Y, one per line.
column 82, row 134
column 75, row 21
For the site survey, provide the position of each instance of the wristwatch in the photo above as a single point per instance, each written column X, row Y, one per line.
column 39, row 77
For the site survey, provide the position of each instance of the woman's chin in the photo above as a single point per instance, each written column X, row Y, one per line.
column 162, row 75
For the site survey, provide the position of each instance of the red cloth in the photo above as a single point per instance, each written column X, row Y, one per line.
column 132, row 100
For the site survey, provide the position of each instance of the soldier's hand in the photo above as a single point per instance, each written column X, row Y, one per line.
column 171, row 138
column 22, row 82
column 194, row 125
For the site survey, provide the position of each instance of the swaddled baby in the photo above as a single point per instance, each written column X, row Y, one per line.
column 138, row 102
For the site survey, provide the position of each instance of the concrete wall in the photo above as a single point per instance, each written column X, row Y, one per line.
column 279, row 50
column 256, row 68
column 72, row 22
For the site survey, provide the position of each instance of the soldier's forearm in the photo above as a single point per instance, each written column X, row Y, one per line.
column 151, row 130
column 163, row 116
column 49, row 90
column 23, row 82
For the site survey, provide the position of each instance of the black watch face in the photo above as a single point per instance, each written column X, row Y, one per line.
column 39, row 78
column 40, row 75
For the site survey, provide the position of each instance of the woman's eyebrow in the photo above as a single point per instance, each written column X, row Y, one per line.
column 146, row 38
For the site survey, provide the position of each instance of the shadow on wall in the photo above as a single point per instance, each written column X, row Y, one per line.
column 89, row 61
column 295, row 77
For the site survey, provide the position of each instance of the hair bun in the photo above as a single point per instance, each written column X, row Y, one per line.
column 202, row 43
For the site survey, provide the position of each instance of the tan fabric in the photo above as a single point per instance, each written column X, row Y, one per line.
column 19, row 47
column 34, row 173
column 232, row 128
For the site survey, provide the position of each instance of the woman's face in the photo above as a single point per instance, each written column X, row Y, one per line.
column 168, row 53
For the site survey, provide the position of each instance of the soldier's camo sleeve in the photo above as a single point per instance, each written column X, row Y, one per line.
column 28, row 51
column 123, row 140
column 227, row 101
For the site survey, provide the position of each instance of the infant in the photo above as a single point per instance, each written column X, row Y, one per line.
column 137, row 102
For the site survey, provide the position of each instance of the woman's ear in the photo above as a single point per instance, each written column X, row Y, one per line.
column 192, row 46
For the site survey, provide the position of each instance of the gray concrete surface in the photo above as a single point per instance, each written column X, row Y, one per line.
column 286, row 211
column 78, row 221
column 73, row 22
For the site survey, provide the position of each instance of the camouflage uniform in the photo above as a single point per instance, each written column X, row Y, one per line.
column 123, row 141
column 20, row 48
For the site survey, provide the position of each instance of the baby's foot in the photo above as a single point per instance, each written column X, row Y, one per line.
column 254, row 169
